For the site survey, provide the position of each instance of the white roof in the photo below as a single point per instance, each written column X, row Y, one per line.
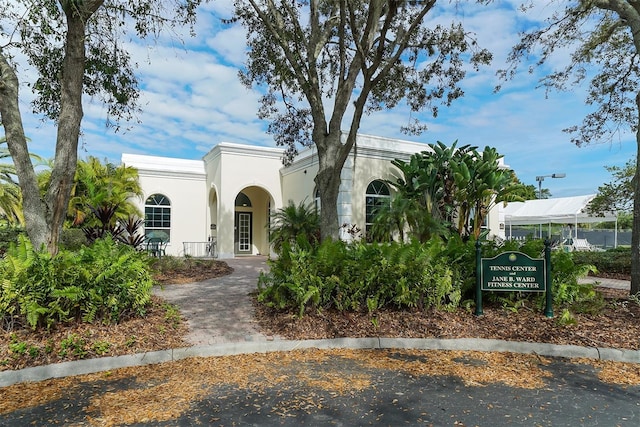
column 163, row 164
column 560, row 210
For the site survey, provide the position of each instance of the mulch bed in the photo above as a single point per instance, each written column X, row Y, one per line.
column 162, row 328
column 616, row 326
column 193, row 270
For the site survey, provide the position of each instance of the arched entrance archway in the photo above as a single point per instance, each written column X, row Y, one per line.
column 251, row 221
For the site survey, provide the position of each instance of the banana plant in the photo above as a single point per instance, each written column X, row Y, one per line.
column 481, row 182
column 427, row 179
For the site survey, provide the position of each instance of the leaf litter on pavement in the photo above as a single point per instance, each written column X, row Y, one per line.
column 165, row 391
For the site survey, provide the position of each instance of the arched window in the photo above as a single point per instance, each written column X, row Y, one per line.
column 157, row 217
column 378, row 195
column 242, row 200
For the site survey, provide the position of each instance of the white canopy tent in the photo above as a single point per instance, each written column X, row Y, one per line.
column 561, row 210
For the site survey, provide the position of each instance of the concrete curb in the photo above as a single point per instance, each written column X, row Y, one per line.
column 90, row 366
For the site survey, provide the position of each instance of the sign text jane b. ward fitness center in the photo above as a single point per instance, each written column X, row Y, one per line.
column 514, row 271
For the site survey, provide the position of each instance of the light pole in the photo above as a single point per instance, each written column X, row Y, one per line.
column 541, row 178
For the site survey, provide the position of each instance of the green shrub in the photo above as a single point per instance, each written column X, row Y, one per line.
column 612, row 261
column 102, row 282
column 359, row 276
column 9, row 235
column 72, row 239
column 565, row 271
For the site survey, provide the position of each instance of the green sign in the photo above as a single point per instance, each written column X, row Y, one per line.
column 513, row 271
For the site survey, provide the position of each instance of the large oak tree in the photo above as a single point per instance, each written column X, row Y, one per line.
column 603, row 37
column 76, row 48
column 326, row 63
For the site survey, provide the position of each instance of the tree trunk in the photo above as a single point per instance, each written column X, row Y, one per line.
column 44, row 219
column 66, row 156
column 33, row 208
column 328, row 183
column 635, row 230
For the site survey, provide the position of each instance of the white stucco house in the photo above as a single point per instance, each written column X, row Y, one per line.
column 227, row 197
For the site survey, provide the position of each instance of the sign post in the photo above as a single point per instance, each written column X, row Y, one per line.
column 548, row 308
column 479, row 311
column 514, row 271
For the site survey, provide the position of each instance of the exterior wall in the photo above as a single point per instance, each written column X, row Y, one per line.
column 235, row 168
column 298, row 183
column 203, row 192
column 370, row 160
column 183, row 182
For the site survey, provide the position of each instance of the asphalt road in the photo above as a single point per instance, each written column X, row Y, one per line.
column 572, row 396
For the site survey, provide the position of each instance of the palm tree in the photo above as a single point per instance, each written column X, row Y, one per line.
column 97, row 185
column 10, row 195
column 427, row 184
column 391, row 219
column 405, row 215
column 293, row 222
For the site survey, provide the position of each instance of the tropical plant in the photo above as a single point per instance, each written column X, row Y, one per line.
column 450, row 184
column 427, row 178
column 392, row 219
column 480, row 183
column 294, row 221
column 426, row 183
column 10, row 195
column 9, row 235
column 359, row 276
column 103, row 184
column 128, row 232
column 103, row 282
column 11, row 203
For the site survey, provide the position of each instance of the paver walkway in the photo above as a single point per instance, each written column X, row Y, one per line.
column 220, row 310
column 607, row 283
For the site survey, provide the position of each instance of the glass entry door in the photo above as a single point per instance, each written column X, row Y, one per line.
column 243, row 232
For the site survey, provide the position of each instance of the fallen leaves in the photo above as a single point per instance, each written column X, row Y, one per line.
column 191, row 270
column 163, row 392
column 614, row 372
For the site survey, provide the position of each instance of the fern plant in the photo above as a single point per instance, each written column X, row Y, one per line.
column 105, row 282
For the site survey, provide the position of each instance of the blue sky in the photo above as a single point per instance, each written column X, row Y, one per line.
column 192, row 100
